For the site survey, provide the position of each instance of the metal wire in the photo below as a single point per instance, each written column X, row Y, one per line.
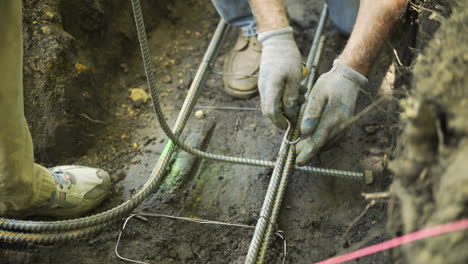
column 234, row 74
column 189, row 219
column 227, row 108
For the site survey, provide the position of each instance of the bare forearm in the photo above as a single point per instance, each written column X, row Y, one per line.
column 373, row 26
column 270, row 14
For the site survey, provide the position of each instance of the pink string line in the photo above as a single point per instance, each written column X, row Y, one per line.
column 408, row 238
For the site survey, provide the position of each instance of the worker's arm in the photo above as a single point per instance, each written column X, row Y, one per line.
column 373, row 25
column 280, row 68
column 269, row 14
column 333, row 98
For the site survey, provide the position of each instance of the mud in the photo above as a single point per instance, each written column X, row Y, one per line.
column 93, row 122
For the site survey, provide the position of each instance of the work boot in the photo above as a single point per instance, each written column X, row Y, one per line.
column 78, row 189
column 240, row 64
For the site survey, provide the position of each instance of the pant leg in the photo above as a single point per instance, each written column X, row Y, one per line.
column 237, row 13
column 23, row 184
column 343, row 14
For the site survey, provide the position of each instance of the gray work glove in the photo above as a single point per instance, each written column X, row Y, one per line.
column 280, row 76
column 330, row 103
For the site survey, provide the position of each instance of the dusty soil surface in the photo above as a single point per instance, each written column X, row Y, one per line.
column 321, row 216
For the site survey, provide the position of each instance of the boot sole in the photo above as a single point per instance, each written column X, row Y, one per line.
column 240, row 94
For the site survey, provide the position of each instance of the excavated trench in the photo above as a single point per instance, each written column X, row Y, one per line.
column 82, row 62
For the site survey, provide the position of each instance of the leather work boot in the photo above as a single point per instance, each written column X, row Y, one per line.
column 241, row 62
column 78, row 190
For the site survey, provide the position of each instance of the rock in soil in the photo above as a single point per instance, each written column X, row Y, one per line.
column 138, row 96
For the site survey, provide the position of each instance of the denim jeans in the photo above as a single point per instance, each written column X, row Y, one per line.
column 238, row 13
column 343, row 14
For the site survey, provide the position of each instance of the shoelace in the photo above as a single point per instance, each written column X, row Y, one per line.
column 62, row 179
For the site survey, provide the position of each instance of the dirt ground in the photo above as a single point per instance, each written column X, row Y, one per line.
column 321, row 216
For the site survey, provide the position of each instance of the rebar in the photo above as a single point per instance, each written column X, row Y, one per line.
column 315, row 42
column 287, row 170
column 273, row 198
column 48, row 238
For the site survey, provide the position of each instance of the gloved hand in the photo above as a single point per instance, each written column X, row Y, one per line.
column 280, row 76
column 331, row 102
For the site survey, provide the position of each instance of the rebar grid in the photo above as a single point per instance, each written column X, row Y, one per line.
column 81, row 227
column 287, row 170
column 273, row 199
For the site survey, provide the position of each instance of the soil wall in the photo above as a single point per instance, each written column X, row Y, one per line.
column 71, row 51
column 431, row 185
